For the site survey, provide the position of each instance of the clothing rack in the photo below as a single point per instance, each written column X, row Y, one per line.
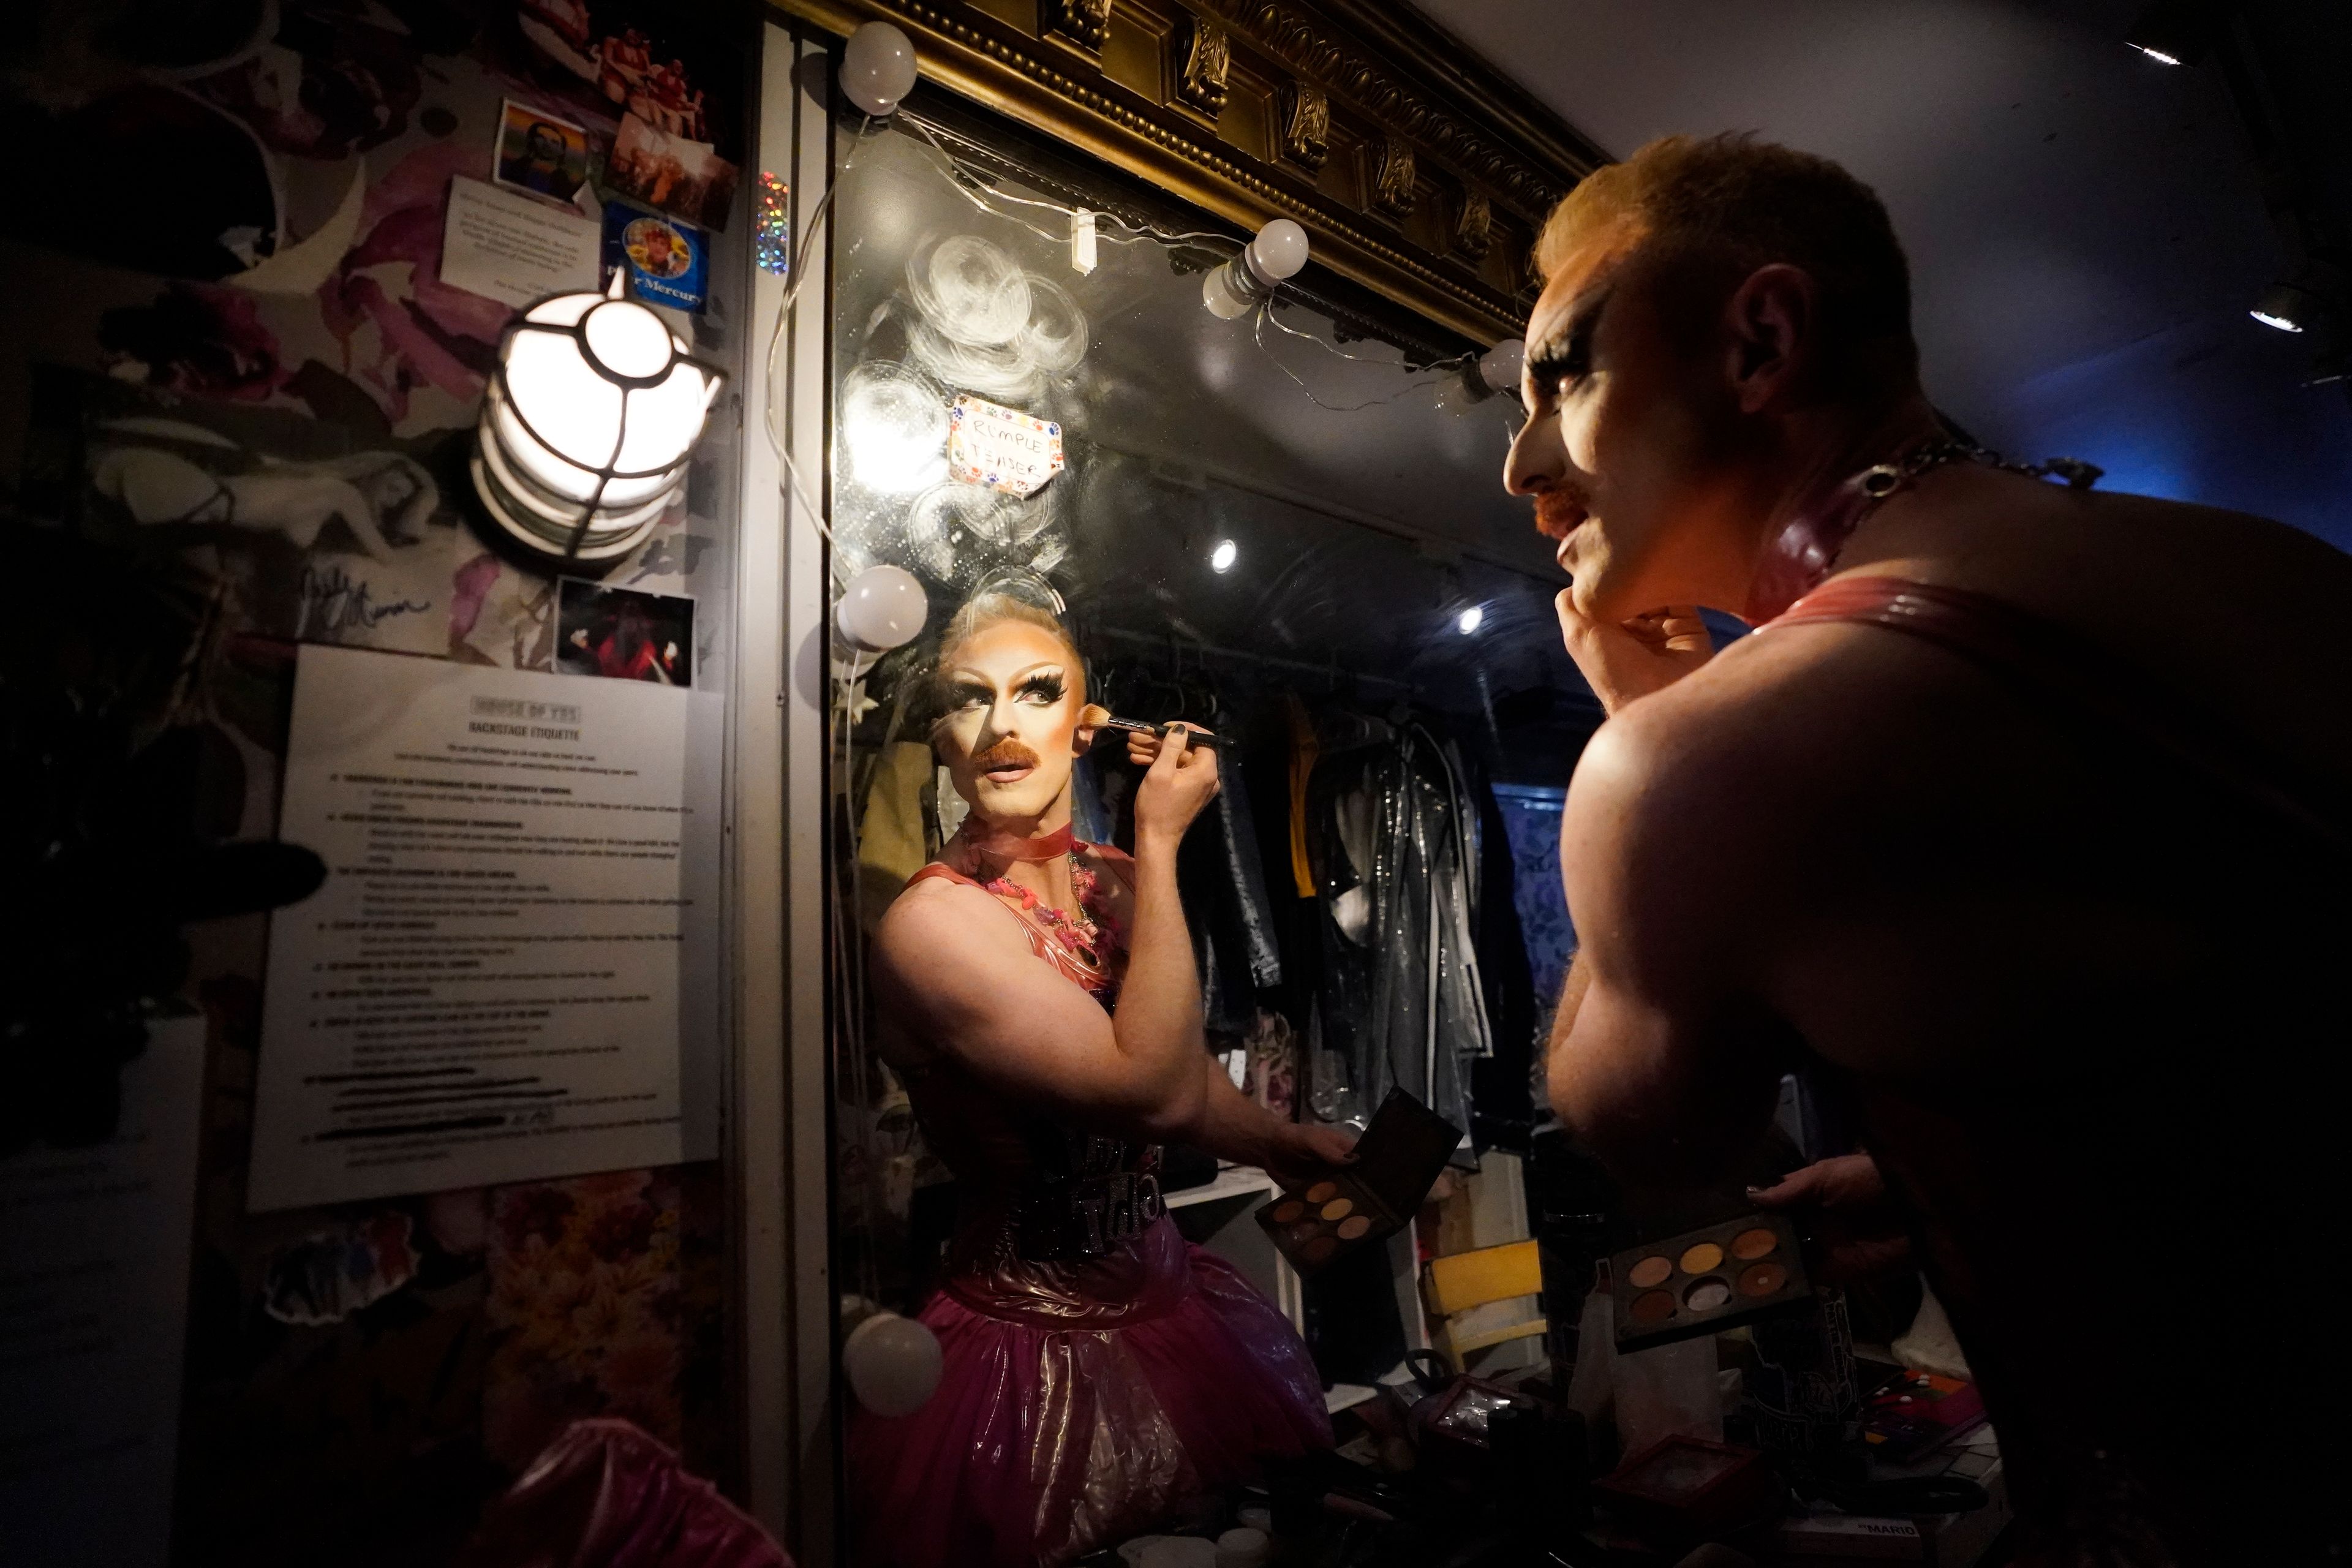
column 1332, row 672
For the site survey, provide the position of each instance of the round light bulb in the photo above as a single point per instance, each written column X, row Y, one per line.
column 878, row 69
column 892, row 1364
column 1499, row 367
column 883, row 607
column 1472, row 619
column 1278, row 251
column 1222, row 557
column 1217, row 292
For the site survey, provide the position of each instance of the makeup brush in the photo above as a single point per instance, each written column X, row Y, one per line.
column 1199, row 737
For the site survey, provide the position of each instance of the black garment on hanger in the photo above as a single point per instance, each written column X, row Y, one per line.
column 1401, row 1003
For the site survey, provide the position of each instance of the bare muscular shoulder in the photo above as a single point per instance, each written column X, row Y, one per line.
column 935, row 940
column 955, row 977
column 1746, row 850
column 1866, row 836
column 1710, row 796
column 2237, row 616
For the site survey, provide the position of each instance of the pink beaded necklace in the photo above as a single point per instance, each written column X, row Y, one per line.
column 1079, row 934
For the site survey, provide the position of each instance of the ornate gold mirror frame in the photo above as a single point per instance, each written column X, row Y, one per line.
column 1419, row 171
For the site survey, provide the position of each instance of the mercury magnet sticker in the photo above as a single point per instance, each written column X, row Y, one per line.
column 1003, row 448
column 668, row 261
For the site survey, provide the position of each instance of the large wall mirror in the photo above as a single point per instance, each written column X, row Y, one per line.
column 1286, row 527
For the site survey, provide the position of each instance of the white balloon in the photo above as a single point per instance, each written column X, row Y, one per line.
column 882, row 607
column 1279, row 250
column 1178, row 1552
column 1499, row 367
column 1244, row 1546
column 892, row 1362
column 878, row 69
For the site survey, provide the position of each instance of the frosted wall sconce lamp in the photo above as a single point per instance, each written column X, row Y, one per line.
column 591, row 417
column 1278, row 252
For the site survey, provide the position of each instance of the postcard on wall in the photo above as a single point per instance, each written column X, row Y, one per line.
column 668, row 261
column 672, row 171
column 485, row 989
column 505, row 245
column 540, row 152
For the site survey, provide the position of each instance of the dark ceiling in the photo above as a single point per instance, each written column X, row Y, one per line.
column 2087, row 227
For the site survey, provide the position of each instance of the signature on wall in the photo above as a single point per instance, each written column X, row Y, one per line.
column 333, row 602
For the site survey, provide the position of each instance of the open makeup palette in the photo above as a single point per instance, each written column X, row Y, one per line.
column 1399, row 1157
column 1715, row 1277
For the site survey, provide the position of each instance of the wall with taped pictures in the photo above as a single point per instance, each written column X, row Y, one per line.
column 244, row 361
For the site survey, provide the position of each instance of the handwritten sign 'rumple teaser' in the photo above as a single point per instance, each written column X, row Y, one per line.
column 1003, row 448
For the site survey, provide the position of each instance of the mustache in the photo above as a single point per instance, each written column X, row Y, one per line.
column 1558, row 511
column 1007, row 752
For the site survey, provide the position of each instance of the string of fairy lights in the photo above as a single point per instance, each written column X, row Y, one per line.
column 876, row 78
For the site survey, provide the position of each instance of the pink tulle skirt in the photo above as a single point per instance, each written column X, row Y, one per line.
column 1079, row 1404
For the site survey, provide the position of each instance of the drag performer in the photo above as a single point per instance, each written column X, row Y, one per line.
column 1037, row 994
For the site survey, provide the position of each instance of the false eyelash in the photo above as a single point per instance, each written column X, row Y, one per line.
column 1050, row 687
column 1574, row 359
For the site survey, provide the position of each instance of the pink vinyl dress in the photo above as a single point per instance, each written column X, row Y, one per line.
column 1100, row 1370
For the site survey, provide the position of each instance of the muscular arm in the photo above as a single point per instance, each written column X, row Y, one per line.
column 1660, row 1058
column 956, row 969
column 1233, row 1125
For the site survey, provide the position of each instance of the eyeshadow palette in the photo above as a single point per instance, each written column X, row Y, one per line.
column 1716, row 1278
column 1399, row 1158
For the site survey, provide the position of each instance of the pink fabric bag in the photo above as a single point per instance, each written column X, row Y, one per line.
column 608, row 1494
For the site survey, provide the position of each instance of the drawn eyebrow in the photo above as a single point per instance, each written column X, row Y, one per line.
column 1549, row 358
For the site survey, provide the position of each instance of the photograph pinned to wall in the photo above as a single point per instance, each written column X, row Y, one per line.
column 540, row 152
column 674, row 173
column 668, row 261
column 328, row 1275
column 624, row 634
column 308, row 539
column 679, row 75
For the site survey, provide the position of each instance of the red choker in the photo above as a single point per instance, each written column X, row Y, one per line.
column 1805, row 550
column 1052, row 847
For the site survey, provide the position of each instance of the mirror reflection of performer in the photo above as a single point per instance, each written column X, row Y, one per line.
column 1098, row 1370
